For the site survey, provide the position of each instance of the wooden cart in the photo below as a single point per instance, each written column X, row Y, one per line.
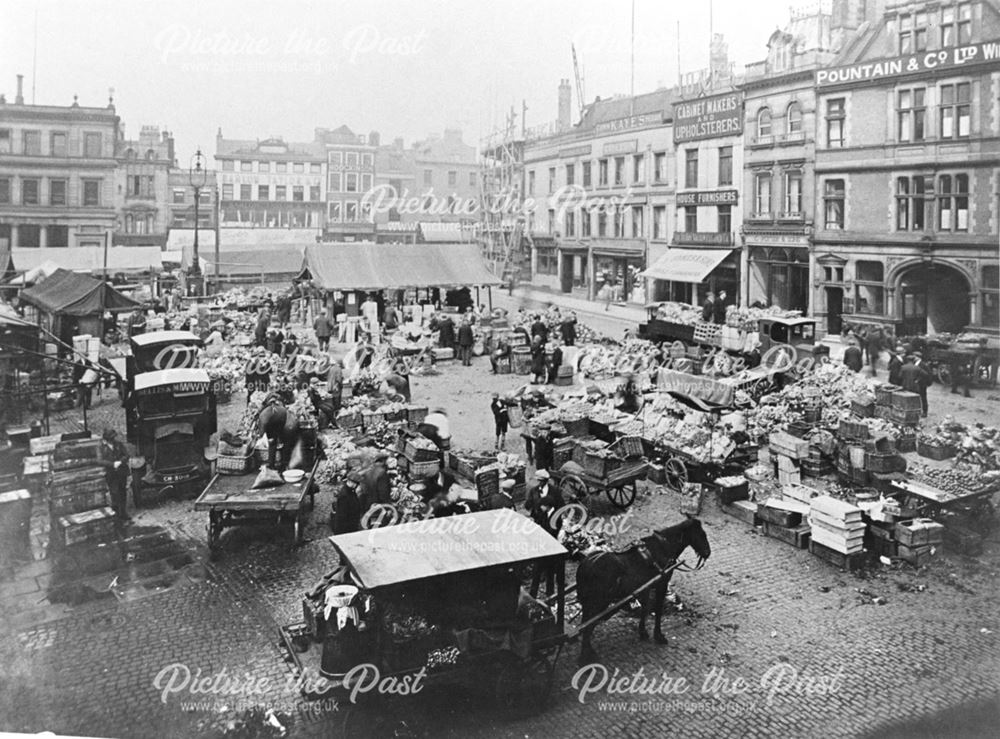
column 230, row 502
column 619, row 485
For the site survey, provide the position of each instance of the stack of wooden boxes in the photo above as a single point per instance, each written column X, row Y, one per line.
column 919, row 539
column 78, row 494
column 788, row 452
column 905, row 408
column 781, row 517
column 837, row 529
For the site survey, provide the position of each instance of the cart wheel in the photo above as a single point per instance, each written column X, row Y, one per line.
column 622, row 497
column 573, row 489
column 677, row 474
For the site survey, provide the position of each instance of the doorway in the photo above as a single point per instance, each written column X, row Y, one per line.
column 934, row 299
column 834, row 310
column 566, row 273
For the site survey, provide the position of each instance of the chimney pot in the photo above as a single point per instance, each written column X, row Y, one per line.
column 19, row 100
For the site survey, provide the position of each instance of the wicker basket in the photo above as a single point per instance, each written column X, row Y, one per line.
column 905, row 444
column 883, row 394
column 420, row 470
column 863, row 408
column 880, row 461
column 600, row 464
column 416, row 414
column 934, row 451
column 226, row 464
column 628, row 447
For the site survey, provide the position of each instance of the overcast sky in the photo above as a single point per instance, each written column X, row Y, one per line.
column 404, row 69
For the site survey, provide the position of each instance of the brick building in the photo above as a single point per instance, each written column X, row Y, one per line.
column 271, row 183
column 907, row 163
column 350, row 163
column 142, row 188
column 57, row 173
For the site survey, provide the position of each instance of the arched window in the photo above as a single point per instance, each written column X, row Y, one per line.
column 763, row 123
column 130, row 153
column 150, row 155
column 794, row 118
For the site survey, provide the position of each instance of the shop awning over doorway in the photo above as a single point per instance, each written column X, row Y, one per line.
column 395, row 266
column 686, row 265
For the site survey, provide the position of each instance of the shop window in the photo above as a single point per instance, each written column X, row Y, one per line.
column 956, row 24
column 659, row 221
column 725, row 219
column 834, row 194
column 835, row 116
column 911, row 114
column 586, row 174
column 793, row 192
column 660, row 166
column 570, row 174
column 57, row 192
column 793, row 119
column 912, row 33
column 546, row 262
column 725, row 165
column 763, row 124
column 570, row 223
column 690, row 219
column 762, row 193
column 953, row 202
column 955, row 108
column 638, row 173
column 991, row 296
column 585, row 223
column 691, row 168
column 602, row 171
column 637, row 230
column 619, row 170
column 911, row 194
column 869, row 288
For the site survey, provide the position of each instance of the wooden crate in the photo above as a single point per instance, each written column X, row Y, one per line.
column 934, row 451
column 95, row 525
column 880, row 462
column 919, row 532
column 62, row 505
column 744, row 510
column 731, row 494
column 844, row 561
column 779, row 517
column 883, row 394
column 797, row 536
column 918, row 556
column 905, row 401
column 853, row 430
column 863, row 408
column 905, row 418
column 788, row 445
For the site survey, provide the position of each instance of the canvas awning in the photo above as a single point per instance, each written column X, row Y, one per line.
column 90, row 259
column 72, row 294
column 395, row 266
column 686, row 265
column 284, row 261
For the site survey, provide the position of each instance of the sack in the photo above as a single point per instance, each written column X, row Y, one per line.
column 267, row 478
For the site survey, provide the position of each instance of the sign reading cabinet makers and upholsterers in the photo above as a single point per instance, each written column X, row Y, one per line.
column 708, row 117
column 986, row 52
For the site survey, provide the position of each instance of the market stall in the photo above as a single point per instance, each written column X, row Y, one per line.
column 70, row 304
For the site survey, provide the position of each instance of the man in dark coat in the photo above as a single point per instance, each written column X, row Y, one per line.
column 260, row 332
column 375, row 486
column 555, row 364
column 114, row 457
column 283, row 306
column 873, row 345
column 501, row 419
column 961, row 367
column 719, row 308
column 916, row 378
column 466, row 339
column 568, row 329
column 446, row 335
column 323, row 328
column 346, row 516
column 538, row 328
column 895, row 365
column 537, row 360
column 708, row 308
column 853, row 358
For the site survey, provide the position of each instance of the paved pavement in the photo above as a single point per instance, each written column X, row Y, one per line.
column 925, row 658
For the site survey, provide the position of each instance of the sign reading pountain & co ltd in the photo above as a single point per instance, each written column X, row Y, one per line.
column 708, row 118
column 943, row 59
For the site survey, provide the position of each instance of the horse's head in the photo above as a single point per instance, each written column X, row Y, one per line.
column 691, row 534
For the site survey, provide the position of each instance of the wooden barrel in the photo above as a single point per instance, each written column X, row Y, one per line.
column 521, row 356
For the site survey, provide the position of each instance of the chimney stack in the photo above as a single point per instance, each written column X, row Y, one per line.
column 565, row 118
column 19, row 100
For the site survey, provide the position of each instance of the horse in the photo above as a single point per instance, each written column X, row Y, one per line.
column 280, row 427
column 606, row 577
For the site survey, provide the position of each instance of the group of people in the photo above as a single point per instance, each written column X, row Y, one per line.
column 713, row 310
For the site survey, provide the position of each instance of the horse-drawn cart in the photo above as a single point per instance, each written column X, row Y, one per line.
column 230, row 501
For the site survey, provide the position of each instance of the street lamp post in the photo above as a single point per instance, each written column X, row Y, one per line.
column 197, row 176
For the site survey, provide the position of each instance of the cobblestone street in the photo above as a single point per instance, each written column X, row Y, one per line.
column 928, row 651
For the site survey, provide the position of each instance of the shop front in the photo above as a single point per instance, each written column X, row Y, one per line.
column 617, row 265
column 687, row 275
column 779, row 271
column 573, row 261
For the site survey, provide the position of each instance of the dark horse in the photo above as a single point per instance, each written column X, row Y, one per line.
column 280, row 427
column 606, row 577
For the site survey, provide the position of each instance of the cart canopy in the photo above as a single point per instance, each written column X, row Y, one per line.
column 408, row 552
column 72, row 294
column 187, row 378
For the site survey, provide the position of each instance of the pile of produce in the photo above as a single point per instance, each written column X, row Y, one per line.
column 553, row 320
column 442, row 657
column 748, row 319
column 229, row 366
column 977, row 445
column 954, row 480
column 580, row 541
column 602, row 362
column 406, row 626
column 679, row 313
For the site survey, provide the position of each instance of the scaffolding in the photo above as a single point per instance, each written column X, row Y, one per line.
column 502, row 217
